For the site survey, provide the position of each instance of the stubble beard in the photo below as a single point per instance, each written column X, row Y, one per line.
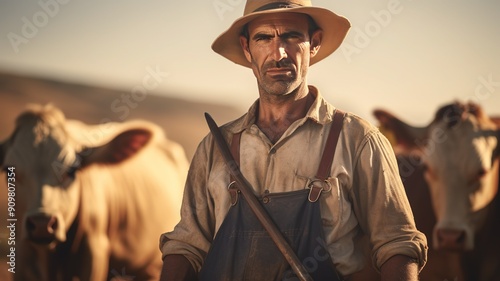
column 275, row 87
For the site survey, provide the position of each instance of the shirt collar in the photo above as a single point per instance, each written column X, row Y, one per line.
column 320, row 112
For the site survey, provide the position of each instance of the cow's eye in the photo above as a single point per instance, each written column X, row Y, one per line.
column 424, row 167
column 429, row 173
column 475, row 180
column 481, row 173
column 71, row 172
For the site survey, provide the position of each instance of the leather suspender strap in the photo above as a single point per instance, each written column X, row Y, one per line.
column 331, row 143
column 235, row 147
column 318, row 184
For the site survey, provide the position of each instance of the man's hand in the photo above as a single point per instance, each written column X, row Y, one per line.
column 399, row 268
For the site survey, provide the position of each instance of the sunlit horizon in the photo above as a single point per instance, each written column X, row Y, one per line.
column 407, row 56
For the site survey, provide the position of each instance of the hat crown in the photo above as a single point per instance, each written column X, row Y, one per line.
column 261, row 5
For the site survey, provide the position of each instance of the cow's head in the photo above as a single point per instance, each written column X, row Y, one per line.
column 460, row 151
column 47, row 161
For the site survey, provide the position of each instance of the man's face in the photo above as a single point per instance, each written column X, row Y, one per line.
column 279, row 48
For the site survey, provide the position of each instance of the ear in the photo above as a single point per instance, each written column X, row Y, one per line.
column 404, row 136
column 316, row 39
column 119, row 149
column 246, row 48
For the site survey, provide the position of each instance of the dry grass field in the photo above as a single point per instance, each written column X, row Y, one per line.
column 182, row 120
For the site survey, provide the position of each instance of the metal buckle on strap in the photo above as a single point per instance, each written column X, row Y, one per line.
column 233, row 191
column 316, row 187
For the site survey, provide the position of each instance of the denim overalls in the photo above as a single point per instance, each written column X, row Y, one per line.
column 243, row 250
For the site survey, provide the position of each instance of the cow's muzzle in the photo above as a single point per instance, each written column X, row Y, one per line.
column 451, row 239
column 41, row 228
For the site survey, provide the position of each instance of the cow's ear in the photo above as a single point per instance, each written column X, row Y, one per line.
column 122, row 147
column 402, row 135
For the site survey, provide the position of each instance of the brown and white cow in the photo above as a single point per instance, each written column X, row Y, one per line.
column 451, row 167
column 92, row 201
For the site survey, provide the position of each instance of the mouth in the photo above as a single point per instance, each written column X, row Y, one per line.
column 280, row 72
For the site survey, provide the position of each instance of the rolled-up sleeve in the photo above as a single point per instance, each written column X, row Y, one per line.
column 193, row 235
column 381, row 204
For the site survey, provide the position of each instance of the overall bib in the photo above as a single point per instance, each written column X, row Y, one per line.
column 243, row 250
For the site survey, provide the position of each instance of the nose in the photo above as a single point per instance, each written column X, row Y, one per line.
column 41, row 228
column 451, row 239
column 278, row 51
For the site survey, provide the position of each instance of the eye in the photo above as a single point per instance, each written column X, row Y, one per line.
column 424, row 167
column 262, row 37
column 73, row 168
column 292, row 36
column 481, row 173
column 429, row 173
column 475, row 180
column 68, row 171
column 71, row 172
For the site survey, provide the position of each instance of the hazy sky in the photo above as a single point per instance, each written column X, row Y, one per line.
column 407, row 55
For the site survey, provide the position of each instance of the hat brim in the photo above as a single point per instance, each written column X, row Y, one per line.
column 334, row 28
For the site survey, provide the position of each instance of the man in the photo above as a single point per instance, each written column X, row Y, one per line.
column 280, row 143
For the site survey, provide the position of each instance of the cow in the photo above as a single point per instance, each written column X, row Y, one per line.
column 450, row 170
column 91, row 200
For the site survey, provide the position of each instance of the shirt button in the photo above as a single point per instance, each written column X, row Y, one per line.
column 272, row 151
column 265, row 200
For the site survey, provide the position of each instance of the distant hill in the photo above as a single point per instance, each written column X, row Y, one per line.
column 182, row 120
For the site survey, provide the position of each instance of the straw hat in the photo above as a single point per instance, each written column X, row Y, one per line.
column 334, row 27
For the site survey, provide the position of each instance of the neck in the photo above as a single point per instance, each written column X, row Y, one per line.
column 277, row 113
